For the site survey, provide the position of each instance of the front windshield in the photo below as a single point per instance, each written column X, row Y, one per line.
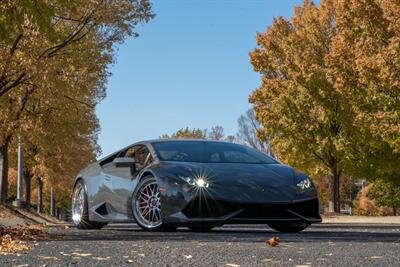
column 209, row 152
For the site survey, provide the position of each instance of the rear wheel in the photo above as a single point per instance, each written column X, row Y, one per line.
column 80, row 214
column 288, row 227
column 146, row 205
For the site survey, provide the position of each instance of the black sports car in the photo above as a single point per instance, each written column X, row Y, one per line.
column 164, row 184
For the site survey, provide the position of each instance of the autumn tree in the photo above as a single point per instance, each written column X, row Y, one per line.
column 307, row 120
column 80, row 49
column 329, row 94
column 216, row 133
column 194, row 133
column 40, row 13
column 364, row 66
column 386, row 194
column 248, row 131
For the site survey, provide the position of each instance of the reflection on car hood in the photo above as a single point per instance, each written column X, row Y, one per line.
column 243, row 182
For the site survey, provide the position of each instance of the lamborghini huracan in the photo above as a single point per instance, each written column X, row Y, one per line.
column 164, row 184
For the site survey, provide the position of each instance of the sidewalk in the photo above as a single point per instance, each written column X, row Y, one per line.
column 361, row 219
column 14, row 217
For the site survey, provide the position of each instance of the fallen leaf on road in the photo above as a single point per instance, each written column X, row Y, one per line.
column 100, row 258
column 81, row 254
column 48, row 257
column 273, row 241
column 10, row 244
column 11, row 238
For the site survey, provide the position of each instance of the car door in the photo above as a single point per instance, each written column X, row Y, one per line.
column 125, row 181
column 112, row 174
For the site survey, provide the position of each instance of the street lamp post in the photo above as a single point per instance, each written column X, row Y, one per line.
column 19, row 202
column 52, row 203
column 40, row 195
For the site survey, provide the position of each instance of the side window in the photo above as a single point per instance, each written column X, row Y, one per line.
column 141, row 155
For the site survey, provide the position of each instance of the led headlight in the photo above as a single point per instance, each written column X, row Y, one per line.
column 305, row 184
column 198, row 182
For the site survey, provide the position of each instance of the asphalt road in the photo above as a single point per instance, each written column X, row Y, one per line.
column 235, row 245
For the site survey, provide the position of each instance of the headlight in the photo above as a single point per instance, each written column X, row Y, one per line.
column 198, row 182
column 304, row 185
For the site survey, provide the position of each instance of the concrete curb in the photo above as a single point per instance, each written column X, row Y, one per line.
column 362, row 219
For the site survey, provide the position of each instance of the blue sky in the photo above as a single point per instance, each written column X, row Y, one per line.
column 189, row 67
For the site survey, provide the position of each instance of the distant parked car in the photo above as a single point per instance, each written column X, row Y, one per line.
column 164, row 184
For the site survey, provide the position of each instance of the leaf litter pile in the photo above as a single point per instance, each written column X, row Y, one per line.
column 14, row 239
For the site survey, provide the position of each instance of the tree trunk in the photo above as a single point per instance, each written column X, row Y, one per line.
column 40, row 195
column 27, row 178
column 4, row 171
column 394, row 209
column 334, row 189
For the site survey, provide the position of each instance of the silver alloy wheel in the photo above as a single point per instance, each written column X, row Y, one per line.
column 148, row 205
column 78, row 204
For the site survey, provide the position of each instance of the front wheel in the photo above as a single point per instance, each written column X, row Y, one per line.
column 146, row 206
column 288, row 227
column 80, row 214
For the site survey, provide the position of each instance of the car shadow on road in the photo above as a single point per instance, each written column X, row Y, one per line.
column 317, row 233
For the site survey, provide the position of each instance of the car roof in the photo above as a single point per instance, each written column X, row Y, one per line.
column 163, row 140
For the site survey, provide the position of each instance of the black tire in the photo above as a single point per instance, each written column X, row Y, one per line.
column 289, row 227
column 85, row 223
column 201, row 228
column 161, row 227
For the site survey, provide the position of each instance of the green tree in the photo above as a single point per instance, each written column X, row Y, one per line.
column 386, row 194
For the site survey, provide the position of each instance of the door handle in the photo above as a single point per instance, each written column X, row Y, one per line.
column 107, row 177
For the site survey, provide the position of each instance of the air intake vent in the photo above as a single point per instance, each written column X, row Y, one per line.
column 102, row 209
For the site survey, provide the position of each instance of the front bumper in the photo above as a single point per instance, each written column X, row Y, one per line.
column 201, row 209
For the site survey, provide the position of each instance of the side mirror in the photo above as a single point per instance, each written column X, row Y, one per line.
column 124, row 162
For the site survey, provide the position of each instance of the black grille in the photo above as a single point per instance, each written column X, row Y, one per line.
column 307, row 209
column 257, row 211
column 210, row 208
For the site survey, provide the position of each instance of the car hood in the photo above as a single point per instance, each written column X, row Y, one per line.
column 243, row 182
